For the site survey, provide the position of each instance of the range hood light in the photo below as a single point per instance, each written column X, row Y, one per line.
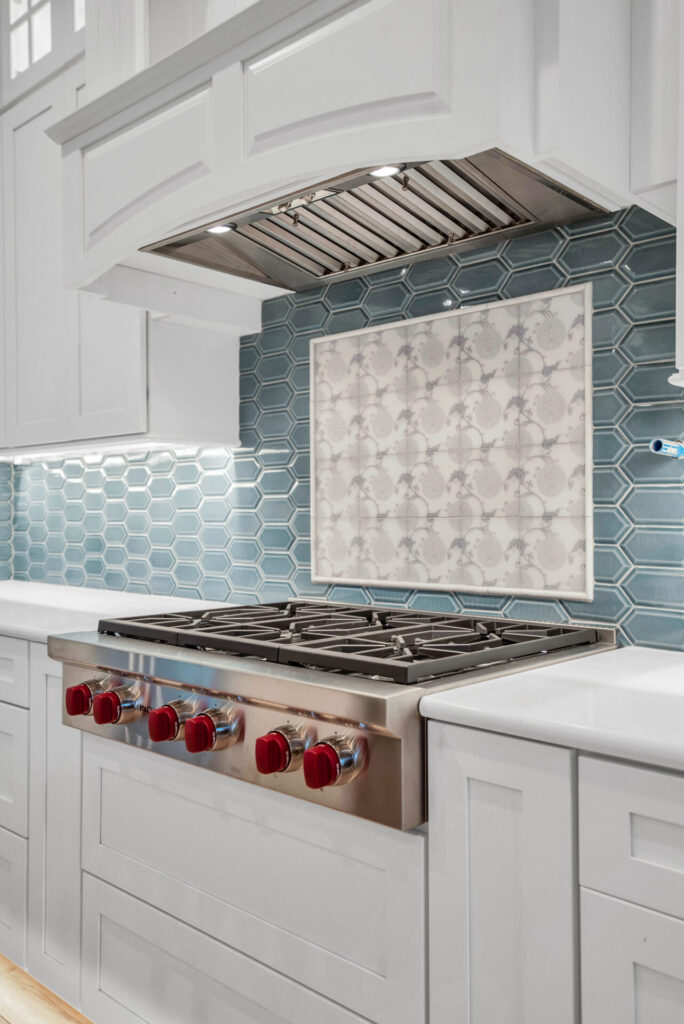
column 385, row 172
column 219, row 229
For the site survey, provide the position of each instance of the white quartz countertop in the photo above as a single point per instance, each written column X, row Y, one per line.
column 35, row 611
column 627, row 703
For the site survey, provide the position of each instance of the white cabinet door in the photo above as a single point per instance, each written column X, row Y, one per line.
column 632, row 963
column 75, row 365
column 332, row 902
column 14, row 769
column 502, row 891
column 14, row 671
column 13, row 897
column 55, row 835
column 35, row 299
column 141, row 966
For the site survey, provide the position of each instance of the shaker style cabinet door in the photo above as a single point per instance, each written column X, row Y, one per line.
column 632, row 963
column 54, row 903
column 35, row 305
column 502, row 891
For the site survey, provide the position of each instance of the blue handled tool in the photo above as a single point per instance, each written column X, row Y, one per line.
column 675, row 449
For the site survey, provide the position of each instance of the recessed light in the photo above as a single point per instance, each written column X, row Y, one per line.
column 219, row 229
column 385, row 172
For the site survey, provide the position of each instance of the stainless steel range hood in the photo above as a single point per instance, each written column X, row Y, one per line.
column 366, row 219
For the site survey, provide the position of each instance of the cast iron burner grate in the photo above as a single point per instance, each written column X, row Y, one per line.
column 388, row 643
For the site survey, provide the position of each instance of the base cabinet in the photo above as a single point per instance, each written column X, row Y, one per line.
column 13, row 857
column 632, row 963
column 141, row 966
column 54, row 860
column 502, row 886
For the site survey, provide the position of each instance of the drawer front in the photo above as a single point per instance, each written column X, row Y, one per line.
column 631, row 831
column 632, row 963
column 14, row 769
column 331, row 901
column 14, row 671
column 13, row 863
column 141, row 966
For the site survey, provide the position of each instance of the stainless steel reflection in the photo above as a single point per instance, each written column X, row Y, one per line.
column 382, row 715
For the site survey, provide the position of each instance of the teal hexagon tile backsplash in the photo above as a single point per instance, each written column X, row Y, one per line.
column 235, row 526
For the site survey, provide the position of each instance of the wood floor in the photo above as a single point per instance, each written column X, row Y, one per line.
column 24, row 1000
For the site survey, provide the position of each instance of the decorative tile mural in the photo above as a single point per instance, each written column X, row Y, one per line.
column 449, row 452
column 236, row 527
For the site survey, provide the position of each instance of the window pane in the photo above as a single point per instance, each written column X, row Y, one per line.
column 41, row 33
column 79, row 15
column 16, row 9
column 19, row 50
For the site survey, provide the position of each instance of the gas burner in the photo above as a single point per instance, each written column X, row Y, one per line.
column 382, row 643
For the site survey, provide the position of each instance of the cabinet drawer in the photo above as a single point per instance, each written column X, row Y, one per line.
column 631, row 833
column 13, row 862
column 331, row 901
column 632, row 963
column 14, row 769
column 141, row 966
column 14, row 671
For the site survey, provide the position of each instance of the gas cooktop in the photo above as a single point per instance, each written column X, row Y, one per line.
column 396, row 644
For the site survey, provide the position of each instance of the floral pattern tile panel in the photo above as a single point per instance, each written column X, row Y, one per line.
column 453, row 452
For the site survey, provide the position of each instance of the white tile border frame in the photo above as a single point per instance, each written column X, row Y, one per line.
column 550, row 595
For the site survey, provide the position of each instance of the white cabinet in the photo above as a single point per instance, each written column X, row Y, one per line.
column 632, row 963
column 502, row 886
column 141, row 966
column 332, row 902
column 74, row 366
column 13, row 851
column 54, row 864
column 14, row 768
column 14, row 671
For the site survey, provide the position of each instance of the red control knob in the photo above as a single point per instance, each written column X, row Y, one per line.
column 200, row 734
column 162, row 724
column 77, row 699
column 321, row 766
column 272, row 753
column 106, row 708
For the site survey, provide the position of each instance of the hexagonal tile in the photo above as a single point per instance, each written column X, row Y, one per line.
column 275, row 339
column 610, row 563
column 276, row 311
column 593, row 252
column 479, row 278
column 655, row 628
column 609, row 445
column 274, row 368
column 427, row 275
column 244, row 549
column 607, row 288
column 648, row 383
column 528, row 282
column 668, row 510
column 309, row 317
column 654, row 300
column 346, row 294
column 275, row 396
column 609, row 486
column 276, row 565
column 650, row 342
column 429, row 303
column 609, row 605
column 610, row 524
column 386, row 300
column 648, row 545
column 609, row 407
column 660, row 588
column 345, row 320
column 650, row 259
column 643, row 425
column 276, row 538
column 641, row 466
column 609, row 367
column 639, row 224
column 530, row 250
column 272, row 425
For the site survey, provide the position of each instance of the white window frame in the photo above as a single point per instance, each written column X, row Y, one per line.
column 67, row 43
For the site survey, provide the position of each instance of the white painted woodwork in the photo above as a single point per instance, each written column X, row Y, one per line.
column 502, row 887
column 54, row 865
column 268, row 101
column 13, row 852
column 631, row 833
column 35, row 312
column 679, row 356
column 107, row 368
column 14, row 671
column 168, row 151
column 332, row 902
column 75, row 367
column 654, row 103
column 632, row 963
column 141, row 966
column 14, row 767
